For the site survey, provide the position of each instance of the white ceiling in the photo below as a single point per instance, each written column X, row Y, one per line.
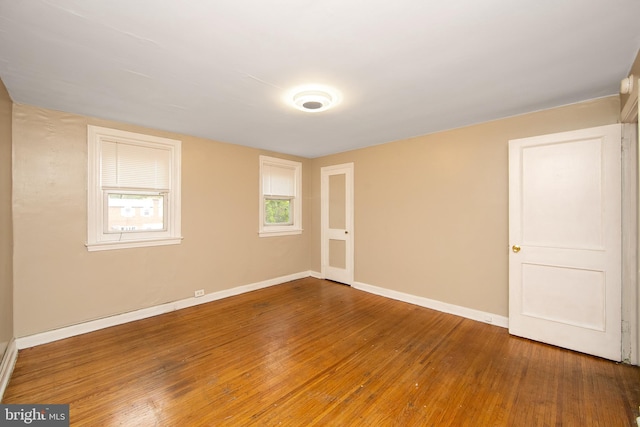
column 219, row 68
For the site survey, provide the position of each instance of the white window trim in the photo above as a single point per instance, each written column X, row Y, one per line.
column 282, row 230
column 97, row 240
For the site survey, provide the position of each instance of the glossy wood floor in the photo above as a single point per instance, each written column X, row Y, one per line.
column 312, row 352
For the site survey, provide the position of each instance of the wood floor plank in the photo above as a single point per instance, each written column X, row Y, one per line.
column 312, row 352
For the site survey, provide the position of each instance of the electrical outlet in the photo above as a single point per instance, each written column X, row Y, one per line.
column 199, row 293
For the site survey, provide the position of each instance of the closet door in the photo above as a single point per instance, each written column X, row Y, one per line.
column 565, row 240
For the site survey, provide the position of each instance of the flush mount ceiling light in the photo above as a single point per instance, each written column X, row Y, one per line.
column 313, row 98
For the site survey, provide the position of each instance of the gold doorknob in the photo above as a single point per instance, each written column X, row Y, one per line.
column 515, row 248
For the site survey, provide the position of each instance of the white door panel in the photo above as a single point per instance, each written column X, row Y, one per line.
column 565, row 237
column 569, row 295
column 562, row 196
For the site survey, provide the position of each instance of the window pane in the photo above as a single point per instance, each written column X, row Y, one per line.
column 277, row 212
column 128, row 213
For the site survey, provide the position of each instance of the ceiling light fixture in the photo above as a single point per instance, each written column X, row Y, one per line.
column 313, row 98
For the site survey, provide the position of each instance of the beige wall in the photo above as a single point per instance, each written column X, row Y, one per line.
column 635, row 68
column 6, row 226
column 431, row 213
column 430, row 219
column 58, row 283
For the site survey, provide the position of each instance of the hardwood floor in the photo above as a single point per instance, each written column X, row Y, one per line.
column 312, row 352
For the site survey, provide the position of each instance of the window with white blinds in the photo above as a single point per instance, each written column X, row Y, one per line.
column 133, row 190
column 127, row 165
column 280, row 197
column 279, row 180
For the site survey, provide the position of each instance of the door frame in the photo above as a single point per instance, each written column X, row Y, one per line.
column 630, row 290
column 631, row 226
column 348, row 170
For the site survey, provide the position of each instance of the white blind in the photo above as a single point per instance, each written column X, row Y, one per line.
column 278, row 181
column 134, row 166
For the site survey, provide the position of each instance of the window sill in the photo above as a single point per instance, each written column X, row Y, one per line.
column 280, row 233
column 106, row 246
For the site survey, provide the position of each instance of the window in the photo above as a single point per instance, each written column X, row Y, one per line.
column 133, row 190
column 280, row 197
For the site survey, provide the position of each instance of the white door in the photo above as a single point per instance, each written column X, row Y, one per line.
column 565, row 240
column 337, row 222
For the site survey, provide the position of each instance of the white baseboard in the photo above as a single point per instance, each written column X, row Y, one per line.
column 6, row 366
column 457, row 310
column 315, row 274
column 94, row 325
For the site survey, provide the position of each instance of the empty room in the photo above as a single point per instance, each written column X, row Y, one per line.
column 339, row 213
